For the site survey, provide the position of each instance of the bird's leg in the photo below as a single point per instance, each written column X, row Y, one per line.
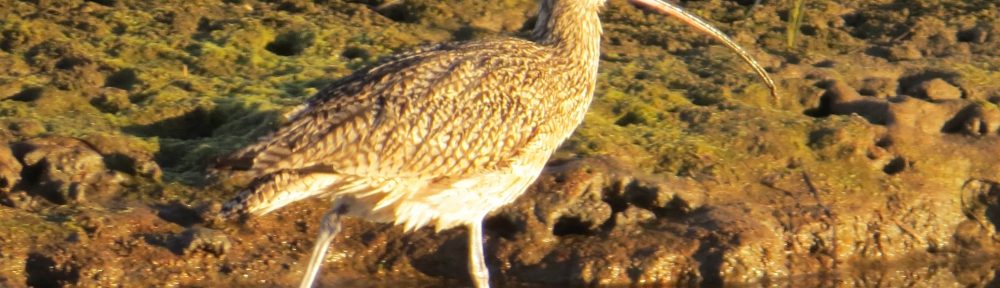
column 477, row 263
column 330, row 227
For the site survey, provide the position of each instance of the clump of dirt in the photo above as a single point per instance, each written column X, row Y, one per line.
column 876, row 159
column 65, row 170
column 10, row 170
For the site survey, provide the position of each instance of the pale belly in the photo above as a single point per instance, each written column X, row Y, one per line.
column 467, row 200
column 443, row 202
column 415, row 203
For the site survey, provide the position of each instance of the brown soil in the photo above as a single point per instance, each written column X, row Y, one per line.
column 877, row 167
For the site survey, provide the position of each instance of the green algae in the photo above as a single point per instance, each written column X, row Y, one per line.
column 209, row 85
column 199, row 80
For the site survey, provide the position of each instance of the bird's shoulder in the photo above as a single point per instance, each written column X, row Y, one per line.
column 485, row 84
column 426, row 63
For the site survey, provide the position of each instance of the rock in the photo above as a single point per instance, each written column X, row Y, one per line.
column 93, row 223
column 77, row 73
column 202, row 239
column 973, row 120
column 633, row 215
column 937, row 89
column 551, row 240
column 126, row 154
column 840, row 92
column 26, row 127
column 18, row 199
column 208, row 213
column 14, row 65
column 842, row 99
column 977, row 35
column 926, row 117
column 979, row 197
column 879, row 87
column 67, row 170
column 111, row 100
column 904, row 52
column 9, row 88
column 10, row 170
column 49, row 99
column 5, row 134
column 51, row 270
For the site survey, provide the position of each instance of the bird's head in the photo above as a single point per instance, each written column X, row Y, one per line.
column 549, row 8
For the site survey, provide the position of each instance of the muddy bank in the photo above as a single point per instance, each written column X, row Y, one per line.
column 876, row 167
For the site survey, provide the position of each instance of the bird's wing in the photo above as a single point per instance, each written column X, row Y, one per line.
column 450, row 110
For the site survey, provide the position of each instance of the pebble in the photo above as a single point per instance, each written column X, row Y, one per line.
column 203, row 239
column 69, row 171
column 10, row 169
column 938, row 89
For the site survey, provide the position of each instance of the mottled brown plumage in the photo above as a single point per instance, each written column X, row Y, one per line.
column 438, row 136
column 438, row 115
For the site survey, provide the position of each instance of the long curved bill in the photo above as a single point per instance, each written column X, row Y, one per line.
column 700, row 24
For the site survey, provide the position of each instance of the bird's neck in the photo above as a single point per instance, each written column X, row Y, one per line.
column 574, row 29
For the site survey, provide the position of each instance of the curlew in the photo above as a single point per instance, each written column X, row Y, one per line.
column 441, row 135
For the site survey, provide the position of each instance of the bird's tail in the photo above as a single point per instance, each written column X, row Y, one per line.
column 275, row 190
